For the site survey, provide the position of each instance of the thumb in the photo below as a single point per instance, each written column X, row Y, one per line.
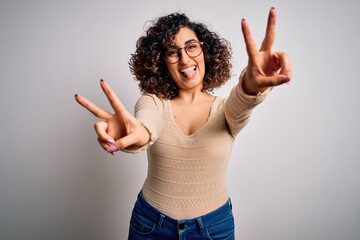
column 273, row 80
column 122, row 143
column 281, row 79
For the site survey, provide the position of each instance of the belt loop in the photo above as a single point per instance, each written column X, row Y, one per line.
column 162, row 216
column 201, row 226
column 230, row 204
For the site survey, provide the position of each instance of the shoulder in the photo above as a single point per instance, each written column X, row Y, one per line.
column 148, row 100
column 218, row 102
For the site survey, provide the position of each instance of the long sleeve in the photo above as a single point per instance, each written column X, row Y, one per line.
column 239, row 105
column 148, row 110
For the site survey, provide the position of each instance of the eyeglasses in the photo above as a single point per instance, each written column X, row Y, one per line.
column 192, row 49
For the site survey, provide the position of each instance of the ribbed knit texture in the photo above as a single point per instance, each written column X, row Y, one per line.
column 187, row 173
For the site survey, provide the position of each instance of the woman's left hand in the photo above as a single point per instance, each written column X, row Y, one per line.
column 265, row 68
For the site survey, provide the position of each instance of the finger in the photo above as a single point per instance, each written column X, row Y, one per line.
column 123, row 143
column 275, row 64
column 249, row 40
column 113, row 99
column 285, row 64
column 270, row 31
column 283, row 76
column 94, row 109
column 105, row 145
column 101, row 131
column 273, row 81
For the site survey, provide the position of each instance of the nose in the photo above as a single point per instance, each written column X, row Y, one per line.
column 184, row 57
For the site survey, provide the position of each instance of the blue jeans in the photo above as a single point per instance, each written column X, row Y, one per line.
column 148, row 223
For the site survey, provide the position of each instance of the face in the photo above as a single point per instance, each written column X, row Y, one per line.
column 188, row 73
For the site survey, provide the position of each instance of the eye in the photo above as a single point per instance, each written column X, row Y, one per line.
column 192, row 47
column 171, row 53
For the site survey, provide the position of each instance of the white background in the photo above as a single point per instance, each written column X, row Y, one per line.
column 294, row 172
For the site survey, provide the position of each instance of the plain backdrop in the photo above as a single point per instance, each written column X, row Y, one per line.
column 294, row 171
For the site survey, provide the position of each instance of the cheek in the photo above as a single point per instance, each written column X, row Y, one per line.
column 201, row 60
column 201, row 65
column 171, row 69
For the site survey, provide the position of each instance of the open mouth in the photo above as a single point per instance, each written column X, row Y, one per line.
column 189, row 72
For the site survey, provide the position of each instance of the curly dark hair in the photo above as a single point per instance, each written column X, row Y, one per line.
column 148, row 65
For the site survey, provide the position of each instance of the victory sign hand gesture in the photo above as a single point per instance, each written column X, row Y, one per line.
column 265, row 68
column 117, row 130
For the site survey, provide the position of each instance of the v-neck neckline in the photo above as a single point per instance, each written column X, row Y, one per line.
column 200, row 129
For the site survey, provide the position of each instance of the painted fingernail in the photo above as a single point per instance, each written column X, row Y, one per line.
column 110, row 141
column 111, row 149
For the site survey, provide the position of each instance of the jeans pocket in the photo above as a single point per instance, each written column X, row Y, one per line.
column 141, row 224
column 223, row 229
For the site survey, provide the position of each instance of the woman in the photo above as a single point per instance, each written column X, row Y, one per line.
column 188, row 132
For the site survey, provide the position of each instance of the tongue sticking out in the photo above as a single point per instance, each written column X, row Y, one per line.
column 189, row 72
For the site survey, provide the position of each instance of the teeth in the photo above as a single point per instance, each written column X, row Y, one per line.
column 189, row 72
column 188, row 69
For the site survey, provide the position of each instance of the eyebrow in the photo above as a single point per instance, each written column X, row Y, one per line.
column 190, row 40
column 186, row 42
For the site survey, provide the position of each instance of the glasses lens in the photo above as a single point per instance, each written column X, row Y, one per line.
column 193, row 49
column 172, row 55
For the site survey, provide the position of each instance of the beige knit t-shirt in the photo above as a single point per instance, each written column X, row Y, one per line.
column 186, row 173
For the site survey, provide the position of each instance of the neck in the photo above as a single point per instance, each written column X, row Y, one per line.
column 192, row 96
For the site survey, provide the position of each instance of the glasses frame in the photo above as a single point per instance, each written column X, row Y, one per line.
column 179, row 51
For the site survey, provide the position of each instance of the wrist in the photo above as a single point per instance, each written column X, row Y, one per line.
column 248, row 85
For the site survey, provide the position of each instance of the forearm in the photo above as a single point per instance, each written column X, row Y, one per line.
column 239, row 105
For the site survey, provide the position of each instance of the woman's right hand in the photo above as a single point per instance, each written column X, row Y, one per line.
column 118, row 130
